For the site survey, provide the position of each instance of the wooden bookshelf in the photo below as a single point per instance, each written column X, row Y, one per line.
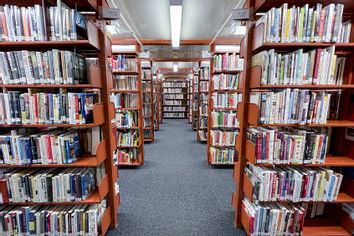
column 195, row 94
column 93, row 43
column 148, row 100
column 133, row 57
column 211, row 108
column 203, row 78
column 157, row 101
column 175, row 99
column 340, row 152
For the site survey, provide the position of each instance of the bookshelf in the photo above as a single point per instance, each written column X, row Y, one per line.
column 92, row 88
column 190, row 99
column 195, row 94
column 203, row 91
column 148, row 102
column 336, row 156
column 224, row 104
column 157, row 93
column 175, row 99
column 127, row 95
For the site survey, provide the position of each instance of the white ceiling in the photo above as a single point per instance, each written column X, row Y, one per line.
column 201, row 19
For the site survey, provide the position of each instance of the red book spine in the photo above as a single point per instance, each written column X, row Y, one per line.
column 259, row 148
column 317, row 65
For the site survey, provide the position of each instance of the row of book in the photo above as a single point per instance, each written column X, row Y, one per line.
column 222, row 156
column 174, row 85
column 223, row 138
column 40, row 23
column 226, row 100
column 49, row 185
column 295, row 106
column 147, row 122
column 174, row 96
column 122, row 100
column 174, row 108
column 306, row 24
column 173, row 103
column 48, row 67
column 122, row 63
column 225, row 82
column 146, row 85
column 203, row 110
column 288, row 145
column 172, row 90
column 227, row 62
column 46, row 108
column 203, row 135
column 274, row 218
column 296, row 184
column 148, row 134
column 203, row 122
column 147, row 98
column 52, row 220
column 173, row 115
column 125, row 156
column 204, row 86
column 204, row 73
column 222, row 119
column 146, row 75
column 128, row 138
column 126, row 119
column 125, row 82
column 48, row 147
column 319, row 67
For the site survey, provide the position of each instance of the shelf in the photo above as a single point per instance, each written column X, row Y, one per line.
column 223, row 109
column 266, row 5
column 124, row 91
column 256, row 75
column 91, row 44
column 127, row 128
column 95, row 197
column 106, row 221
column 127, row 147
column 340, row 161
column 129, row 164
column 98, row 119
column 128, row 108
column 116, row 72
column 259, row 45
column 227, row 72
column 84, row 160
column 254, row 114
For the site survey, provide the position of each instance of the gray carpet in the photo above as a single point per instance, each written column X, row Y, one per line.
column 175, row 192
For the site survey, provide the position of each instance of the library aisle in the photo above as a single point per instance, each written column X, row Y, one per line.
column 175, row 192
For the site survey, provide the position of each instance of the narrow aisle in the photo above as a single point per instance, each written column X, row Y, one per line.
column 175, row 192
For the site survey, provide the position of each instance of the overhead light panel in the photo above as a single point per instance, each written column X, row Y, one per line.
column 175, row 21
column 175, row 67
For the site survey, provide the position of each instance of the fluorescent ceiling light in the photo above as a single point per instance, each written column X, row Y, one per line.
column 175, row 67
column 175, row 21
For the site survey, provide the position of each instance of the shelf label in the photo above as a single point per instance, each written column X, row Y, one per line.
column 242, row 14
column 108, row 13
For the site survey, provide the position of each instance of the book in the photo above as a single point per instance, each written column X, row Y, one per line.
column 225, row 82
column 127, row 156
column 296, row 184
column 288, row 145
column 222, row 156
column 225, row 100
column 47, row 108
column 294, row 106
column 128, row 138
column 49, row 67
column 223, row 138
column 122, row 100
column 126, row 119
column 319, row 67
column 41, row 220
column 227, row 62
column 125, row 82
column 123, row 63
column 318, row 23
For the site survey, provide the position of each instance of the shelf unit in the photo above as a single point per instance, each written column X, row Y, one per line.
column 341, row 153
column 175, row 99
column 94, row 42
column 148, row 101
column 128, row 155
column 223, row 155
column 189, row 91
column 195, row 95
column 158, row 106
column 203, row 98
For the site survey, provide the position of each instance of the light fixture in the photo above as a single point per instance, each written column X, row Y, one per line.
column 175, row 67
column 175, row 21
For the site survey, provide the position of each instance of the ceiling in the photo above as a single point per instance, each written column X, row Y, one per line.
column 150, row 19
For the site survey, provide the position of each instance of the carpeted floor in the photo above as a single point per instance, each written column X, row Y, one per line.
column 175, row 192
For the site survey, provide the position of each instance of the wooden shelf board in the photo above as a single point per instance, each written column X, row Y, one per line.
column 41, row 45
column 340, row 161
column 129, row 164
column 227, row 90
column 83, row 161
column 117, row 72
column 48, row 86
column 94, row 198
column 51, row 125
column 123, row 147
column 293, row 46
column 129, row 108
column 124, row 91
column 330, row 123
column 227, row 71
column 127, row 128
column 133, row 53
column 223, row 109
column 222, row 164
column 309, row 86
column 323, row 226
